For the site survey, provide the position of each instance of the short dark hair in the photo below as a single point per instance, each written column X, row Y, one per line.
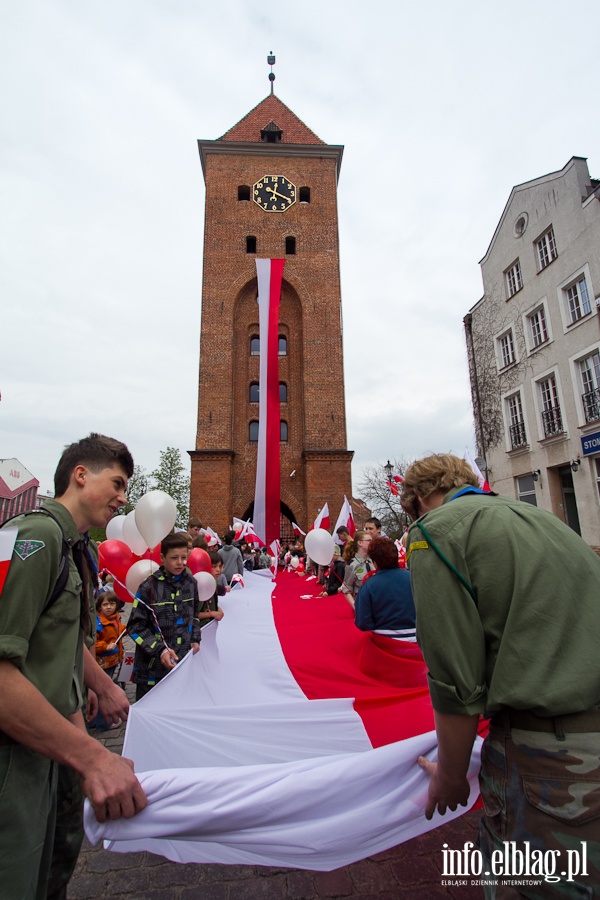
column 228, row 537
column 97, row 452
column 376, row 522
column 200, row 542
column 342, row 529
column 171, row 541
column 384, row 553
column 107, row 595
column 194, row 522
column 215, row 557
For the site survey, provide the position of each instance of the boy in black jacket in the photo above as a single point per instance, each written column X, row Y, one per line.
column 164, row 620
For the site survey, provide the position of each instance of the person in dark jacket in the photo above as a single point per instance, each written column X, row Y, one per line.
column 164, row 620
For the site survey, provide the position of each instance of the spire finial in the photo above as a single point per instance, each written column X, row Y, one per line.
column 271, row 62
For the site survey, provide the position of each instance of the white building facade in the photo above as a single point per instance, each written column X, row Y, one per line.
column 533, row 344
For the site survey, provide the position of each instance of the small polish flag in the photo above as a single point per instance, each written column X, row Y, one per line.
column 322, row 520
column 345, row 519
column 471, row 462
column 298, row 531
column 8, row 536
column 237, row 582
column 274, row 548
column 212, row 538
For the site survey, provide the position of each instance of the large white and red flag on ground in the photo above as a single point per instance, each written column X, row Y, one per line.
column 8, row 536
column 480, row 477
column 323, row 520
column 345, row 519
column 275, row 711
column 268, row 477
column 298, row 531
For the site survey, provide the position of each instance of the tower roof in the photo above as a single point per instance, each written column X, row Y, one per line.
column 271, row 114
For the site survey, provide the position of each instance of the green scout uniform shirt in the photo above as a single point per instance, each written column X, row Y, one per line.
column 531, row 639
column 46, row 646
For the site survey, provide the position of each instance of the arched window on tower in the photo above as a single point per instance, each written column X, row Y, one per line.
column 282, row 345
column 253, row 431
column 282, row 392
column 250, row 244
column 244, row 192
column 290, row 246
column 255, row 345
column 254, row 392
column 283, row 430
column 304, row 195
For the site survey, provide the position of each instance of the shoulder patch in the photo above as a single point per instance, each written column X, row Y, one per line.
column 25, row 549
column 416, row 545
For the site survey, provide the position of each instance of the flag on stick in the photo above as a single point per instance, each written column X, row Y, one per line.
column 322, row 520
column 345, row 519
column 480, row 478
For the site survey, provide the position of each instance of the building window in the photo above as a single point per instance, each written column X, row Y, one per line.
column 516, row 426
column 578, row 300
column 282, row 345
column 283, row 431
column 250, row 244
column 550, row 407
column 254, row 392
column 546, row 249
column 507, row 349
column 282, row 392
column 514, row 282
column 290, row 246
column 255, row 345
column 244, row 192
column 526, row 489
column 589, row 370
column 538, row 327
column 304, row 195
column 253, row 431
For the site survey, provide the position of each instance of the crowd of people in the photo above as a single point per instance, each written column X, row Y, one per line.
column 504, row 611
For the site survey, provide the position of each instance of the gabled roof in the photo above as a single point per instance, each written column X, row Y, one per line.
column 271, row 111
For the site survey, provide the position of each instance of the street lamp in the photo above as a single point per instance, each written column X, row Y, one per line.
column 388, row 469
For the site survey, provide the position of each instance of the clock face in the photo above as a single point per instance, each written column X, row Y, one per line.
column 274, row 193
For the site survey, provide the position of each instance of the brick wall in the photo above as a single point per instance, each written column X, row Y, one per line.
column 310, row 319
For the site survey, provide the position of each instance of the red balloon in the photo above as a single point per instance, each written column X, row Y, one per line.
column 199, row 561
column 122, row 593
column 153, row 554
column 116, row 557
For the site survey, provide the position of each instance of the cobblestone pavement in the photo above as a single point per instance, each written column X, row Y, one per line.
column 410, row 870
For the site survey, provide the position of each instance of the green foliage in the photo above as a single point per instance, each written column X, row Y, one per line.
column 138, row 485
column 171, row 476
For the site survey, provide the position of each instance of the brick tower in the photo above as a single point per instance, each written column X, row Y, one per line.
column 270, row 192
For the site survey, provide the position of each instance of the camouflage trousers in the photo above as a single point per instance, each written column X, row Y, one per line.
column 541, row 794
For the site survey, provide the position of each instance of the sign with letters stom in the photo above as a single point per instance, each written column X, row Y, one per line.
column 590, row 443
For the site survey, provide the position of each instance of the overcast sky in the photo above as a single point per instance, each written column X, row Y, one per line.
column 442, row 108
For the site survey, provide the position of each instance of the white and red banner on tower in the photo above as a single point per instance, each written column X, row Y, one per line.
column 268, row 483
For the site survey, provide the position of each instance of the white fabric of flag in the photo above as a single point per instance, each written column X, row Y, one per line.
column 241, row 768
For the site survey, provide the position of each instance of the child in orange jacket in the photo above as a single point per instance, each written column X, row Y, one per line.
column 109, row 653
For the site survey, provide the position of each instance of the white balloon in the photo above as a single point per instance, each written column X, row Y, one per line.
column 131, row 535
column 114, row 529
column 138, row 572
column 206, row 585
column 155, row 515
column 319, row 544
